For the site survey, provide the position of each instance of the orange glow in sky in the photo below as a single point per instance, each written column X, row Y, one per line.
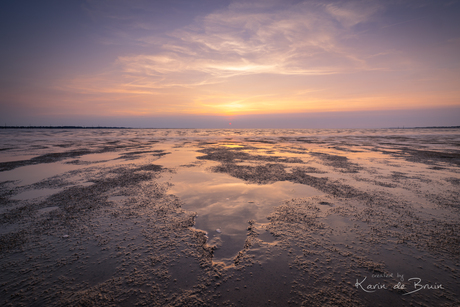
column 231, row 58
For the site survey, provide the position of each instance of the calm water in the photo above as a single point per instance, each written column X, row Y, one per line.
column 16, row 144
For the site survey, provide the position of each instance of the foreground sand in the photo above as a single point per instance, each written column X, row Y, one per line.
column 230, row 218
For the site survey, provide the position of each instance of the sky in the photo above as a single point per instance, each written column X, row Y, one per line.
column 230, row 64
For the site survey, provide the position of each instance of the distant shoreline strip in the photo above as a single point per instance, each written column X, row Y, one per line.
column 83, row 127
column 76, row 127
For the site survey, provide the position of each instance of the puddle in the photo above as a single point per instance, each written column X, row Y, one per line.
column 178, row 157
column 232, row 145
column 267, row 237
column 226, row 204
column 46, row 210
column 34, row 173
column 31, row 194
column 99, row 157
column 14, row 157
column 86, row 184
column 117, row 199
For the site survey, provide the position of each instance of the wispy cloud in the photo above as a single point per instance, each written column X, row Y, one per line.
column 351, row 13
column 258, row 42
column 301, row 39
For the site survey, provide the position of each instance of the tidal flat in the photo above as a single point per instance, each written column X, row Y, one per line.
column 259, row 217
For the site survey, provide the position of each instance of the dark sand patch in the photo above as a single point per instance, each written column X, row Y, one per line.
column 339, row 162
column 429, row 156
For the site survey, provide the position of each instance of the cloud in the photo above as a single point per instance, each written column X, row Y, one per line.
column 256, row 38
column 257, row 56
column 351, row 13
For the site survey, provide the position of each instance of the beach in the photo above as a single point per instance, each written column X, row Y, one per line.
column 229, row 217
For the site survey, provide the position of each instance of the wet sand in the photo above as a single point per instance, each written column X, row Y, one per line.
column 230, row 217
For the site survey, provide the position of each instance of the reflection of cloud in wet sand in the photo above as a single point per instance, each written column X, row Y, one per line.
column 194, row 217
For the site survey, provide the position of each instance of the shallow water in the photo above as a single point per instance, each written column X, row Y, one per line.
column 29, row 174
column 31, row 194
column 313, row 211
column 225, row 204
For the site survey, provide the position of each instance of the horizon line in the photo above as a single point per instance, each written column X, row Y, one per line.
column 116, row 127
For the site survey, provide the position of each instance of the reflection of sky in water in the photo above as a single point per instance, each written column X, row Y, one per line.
column 99, row 157
column 227, row 203
column 177, row 157
column 34, row 173
column 30, row 174
column 47, row 140
column 30, row 194
column 232, row 145
column 14, row 157
column 221, row 201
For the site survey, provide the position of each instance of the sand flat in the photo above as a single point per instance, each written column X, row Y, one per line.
column 188, row 217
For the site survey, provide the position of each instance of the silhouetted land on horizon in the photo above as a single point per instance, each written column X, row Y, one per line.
column 98, row 127
column 438, row 127
column 59, row 127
